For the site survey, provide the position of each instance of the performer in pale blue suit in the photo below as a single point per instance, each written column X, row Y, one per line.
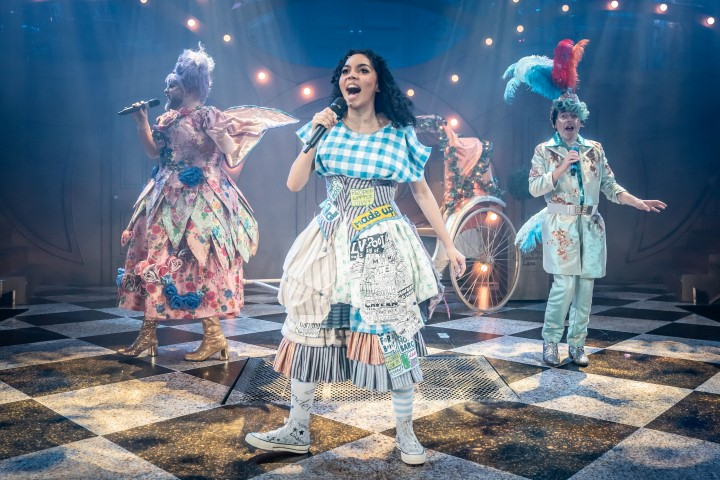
column 570, row 172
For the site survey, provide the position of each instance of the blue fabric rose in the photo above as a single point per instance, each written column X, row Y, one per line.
column 118, row 279
column 191, row 300
column 176, row 303
column 170, row 291
column 191, row 176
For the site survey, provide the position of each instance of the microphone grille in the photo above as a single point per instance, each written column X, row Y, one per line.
column 339, row 105
column 153, row 103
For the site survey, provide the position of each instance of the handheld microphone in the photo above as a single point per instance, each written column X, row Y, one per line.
column 574, row 167
column 339, row 105
column 149, row 104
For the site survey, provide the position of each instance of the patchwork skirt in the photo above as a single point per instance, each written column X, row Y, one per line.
column 327, row 337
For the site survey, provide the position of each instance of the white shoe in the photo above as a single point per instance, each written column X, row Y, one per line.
column 411, row 452
column 292, row 437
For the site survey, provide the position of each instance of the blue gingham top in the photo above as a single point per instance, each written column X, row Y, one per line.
column 389, row 153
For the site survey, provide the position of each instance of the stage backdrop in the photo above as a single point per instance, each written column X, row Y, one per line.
column 72, row 168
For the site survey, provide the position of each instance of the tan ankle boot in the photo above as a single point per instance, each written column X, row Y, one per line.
column 146, row 339
column 213, row 341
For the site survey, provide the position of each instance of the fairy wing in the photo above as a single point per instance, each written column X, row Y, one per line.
column 249, row 124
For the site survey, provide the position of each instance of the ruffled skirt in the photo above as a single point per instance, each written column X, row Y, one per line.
column 333, row 289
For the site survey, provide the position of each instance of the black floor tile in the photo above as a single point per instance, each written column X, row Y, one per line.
column 66, row 317
column 520, row 314
column 688, row 330
column 18, row 336
column 666, row 298
column 222, row 373
column 694, row 416
column 711, row 311
column 595, row 337
column 275, row 317
column 66, row 291
column 448, row 338
column 270, row 339
column 514, row 371
column 630, row 288
column 39, row 301
column 523, row 303
column 98, row 304
column 440, row 315
column 166, row 336
column 644, row 314
column 675, row 372
column 611, row 302
column 210, row 444
column 6, row 313
column 27, row 427
column 526, row 440
column 58, row 377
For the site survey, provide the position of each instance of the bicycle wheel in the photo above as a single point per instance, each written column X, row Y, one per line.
column 487, row 239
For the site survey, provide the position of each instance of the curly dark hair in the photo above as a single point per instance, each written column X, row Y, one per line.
column 390, row 100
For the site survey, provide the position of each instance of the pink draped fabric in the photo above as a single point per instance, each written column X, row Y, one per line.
column 468, row 152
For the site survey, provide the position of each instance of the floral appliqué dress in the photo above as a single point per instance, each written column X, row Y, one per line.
column 191, row 229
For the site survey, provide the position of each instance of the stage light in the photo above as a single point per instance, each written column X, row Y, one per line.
column 614, row 4
column 520, row 29
column 710, row 21
column 566, row 8
column 454, row 122
column 454, row 78
column 410, row 92
column 662, row 8
column 488, row 41
column 262, row 76
column 191, row 23
column 143, row 1
column 492, row 216
column 307, row 91
column 227, row 38
column 516, row 1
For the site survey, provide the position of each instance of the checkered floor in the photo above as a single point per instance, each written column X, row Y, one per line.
column 648, row 406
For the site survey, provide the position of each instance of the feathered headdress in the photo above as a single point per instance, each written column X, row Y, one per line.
column 550, row 78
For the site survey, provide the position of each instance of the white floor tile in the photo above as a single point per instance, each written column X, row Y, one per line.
column 649, row 454
column 498, row 326
column 597, row 396
column 119, row 406
column 93, row 458
column 46, row 352
column 675, row 347
column 8, row 394
column 95, row 327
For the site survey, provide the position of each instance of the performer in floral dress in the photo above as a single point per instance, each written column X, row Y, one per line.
column 357, row 283
column 192, row 229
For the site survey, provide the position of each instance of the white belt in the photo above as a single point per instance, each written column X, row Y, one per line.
column 571, row 209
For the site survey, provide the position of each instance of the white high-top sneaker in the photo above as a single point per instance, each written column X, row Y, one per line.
column 411, row 452
column 292, row 437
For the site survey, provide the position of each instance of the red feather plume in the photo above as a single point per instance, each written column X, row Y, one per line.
column 566, row 58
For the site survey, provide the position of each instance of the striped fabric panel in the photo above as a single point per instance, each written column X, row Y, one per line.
column 308, row 278
column 376, row 377
column 331, row 365
column 339, row 316
column 320, row 364
column 384, row 195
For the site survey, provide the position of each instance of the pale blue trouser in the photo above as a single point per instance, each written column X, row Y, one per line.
column 567, row 290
